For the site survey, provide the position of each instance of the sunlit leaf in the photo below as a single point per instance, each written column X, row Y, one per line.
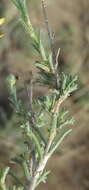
column 1, row 35
column 2, row 20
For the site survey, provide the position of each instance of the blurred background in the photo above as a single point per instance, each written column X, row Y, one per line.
column 70, row 22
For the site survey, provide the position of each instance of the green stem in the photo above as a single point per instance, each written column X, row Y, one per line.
column 32, row 136
column 26, row 170
column 60, row 141
column 52, row 133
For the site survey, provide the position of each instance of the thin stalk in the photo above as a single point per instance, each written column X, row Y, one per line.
column 52, row 133
column 59, row 141
column 50, row 35
column 38, row 172
column 26, row 170
column 38, row 147
column 51, row 40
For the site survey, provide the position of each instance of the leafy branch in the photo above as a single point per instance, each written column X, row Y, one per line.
column 39, row 146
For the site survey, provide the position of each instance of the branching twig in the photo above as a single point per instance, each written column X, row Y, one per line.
column 51, row 39
column 38, row 151
column 50, row 34
column 29, row 90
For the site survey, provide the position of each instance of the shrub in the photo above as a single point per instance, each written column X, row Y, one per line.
column 39, row 146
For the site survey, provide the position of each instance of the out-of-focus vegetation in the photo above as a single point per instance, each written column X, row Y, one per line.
column 70, row 21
